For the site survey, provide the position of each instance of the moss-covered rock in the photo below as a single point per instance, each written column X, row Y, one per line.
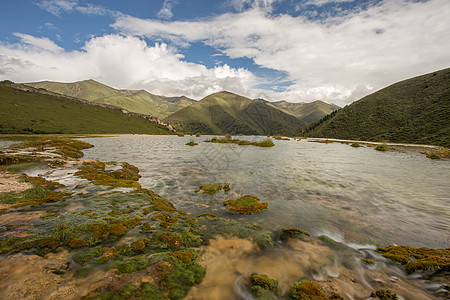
column 246, row 205
column 212, row 188
column 416, row 259
column 260, row 282
column 307, row 290
column 126, row 176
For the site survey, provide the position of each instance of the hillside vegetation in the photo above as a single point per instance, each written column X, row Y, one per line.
column 416, row 111
column 33, row 112
column 228, row 113
column 138, row 101
column 306, row 112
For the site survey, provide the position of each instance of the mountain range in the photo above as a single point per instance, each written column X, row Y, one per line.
column 219, row 113
column 415, row 110
column 26, row 110
column 138, row 101
column 228, row 113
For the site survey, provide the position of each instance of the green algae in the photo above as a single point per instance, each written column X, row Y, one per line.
column 126, row 176
column 416, row 259
column 212, row 188
column 212, row 228
column 178, row 271
column 246, row 205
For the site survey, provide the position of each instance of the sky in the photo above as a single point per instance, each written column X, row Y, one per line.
column 296, row 50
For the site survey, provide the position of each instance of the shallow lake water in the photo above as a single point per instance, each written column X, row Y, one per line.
column 355, row 195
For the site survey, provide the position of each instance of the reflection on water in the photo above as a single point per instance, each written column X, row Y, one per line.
column 361, row 195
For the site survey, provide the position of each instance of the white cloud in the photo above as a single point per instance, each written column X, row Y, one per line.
column 241, row 5
column 121, row 62
column 166, row 11
column 327, row 59
column 38, row 43
column 57, row 7
column 323, row 2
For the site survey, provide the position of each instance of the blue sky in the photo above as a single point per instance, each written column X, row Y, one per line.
column 296, row 50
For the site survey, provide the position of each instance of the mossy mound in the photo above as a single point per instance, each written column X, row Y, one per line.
column 126, row 176
column 191, row 143
column 174, row 272
column 61, row 145
column 416, row 259
column 263, row 287
column 213, row 188
column 381, row 147
column 309, row 290
column 229, row 140
column 355, row 145
column 384, row 295
column 246, row 205
column 264, row 281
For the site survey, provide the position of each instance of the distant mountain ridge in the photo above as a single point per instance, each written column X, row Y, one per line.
column 26, row 110
column 415, row 110
column 306, row 112
column 228, row 113
column 138, row 101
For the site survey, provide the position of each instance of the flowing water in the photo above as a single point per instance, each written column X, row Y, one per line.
column 356, row 195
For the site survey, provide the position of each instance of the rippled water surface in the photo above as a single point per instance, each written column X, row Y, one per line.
column 353, row 194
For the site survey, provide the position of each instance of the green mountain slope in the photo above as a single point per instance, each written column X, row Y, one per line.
column 135, row 101
column 225, row 112
column 27, row 110
column 307, row 112
column 416, row 110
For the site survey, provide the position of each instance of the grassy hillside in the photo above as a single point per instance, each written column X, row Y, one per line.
column 307, row 112
column 34, row 112
column 134, row 101
column 226, row 112
column 416, row 110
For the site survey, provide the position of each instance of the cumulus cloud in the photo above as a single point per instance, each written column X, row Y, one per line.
column 122, row 62
column 326, row 59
